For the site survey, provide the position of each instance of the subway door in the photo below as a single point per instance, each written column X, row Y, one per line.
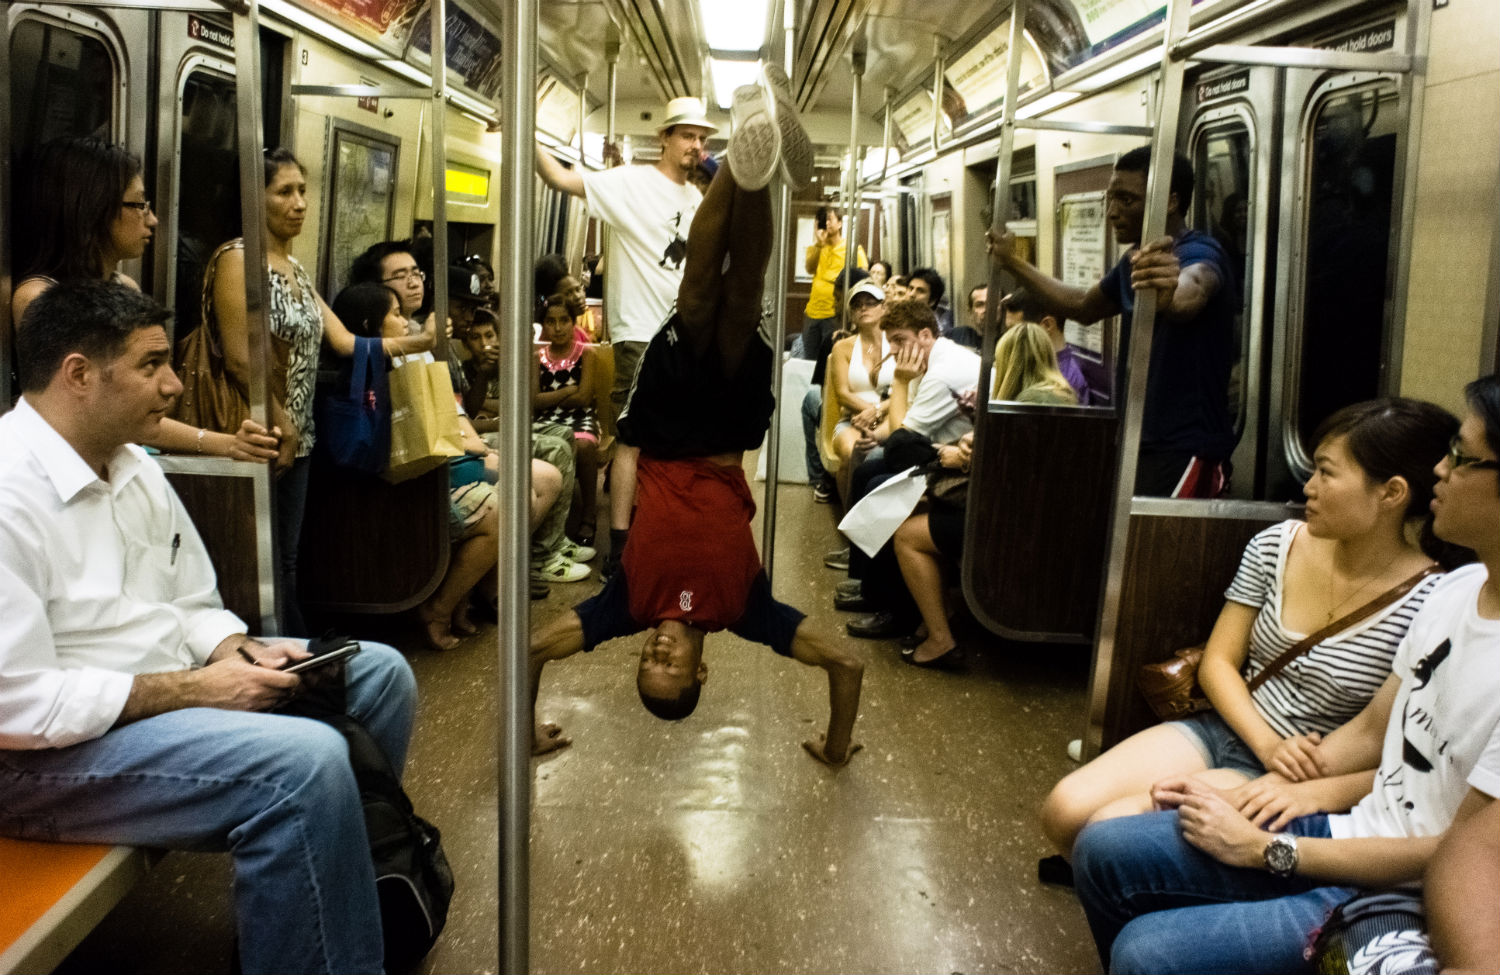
column 198, row 173
column 1231, row 135
column 1343, row 141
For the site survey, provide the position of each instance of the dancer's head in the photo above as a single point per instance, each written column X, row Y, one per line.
column 671, row 670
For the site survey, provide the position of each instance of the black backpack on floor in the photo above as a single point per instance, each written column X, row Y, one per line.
column 412, row 876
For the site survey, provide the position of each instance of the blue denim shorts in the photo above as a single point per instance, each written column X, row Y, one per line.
column 1218, row 744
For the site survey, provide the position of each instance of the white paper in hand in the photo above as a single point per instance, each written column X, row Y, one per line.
column 872, row 522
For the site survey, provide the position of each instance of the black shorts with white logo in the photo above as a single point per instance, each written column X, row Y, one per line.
column 683, row 405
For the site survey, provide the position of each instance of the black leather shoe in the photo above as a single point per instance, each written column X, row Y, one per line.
column 856, row 603
column 850, row 587
column 951, row 660
column 877, row 626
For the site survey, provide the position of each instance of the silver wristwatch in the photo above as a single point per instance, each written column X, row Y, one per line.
column 1281, row 855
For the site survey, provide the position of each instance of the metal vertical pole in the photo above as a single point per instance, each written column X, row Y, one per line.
column 781, row 222
column 517, row 188
column 583, row 114
column 939, row 68
column 257, row 286
column 612, row 58
column 885, row 139
column 7, row 227
column 1138, row 358
column 851, row 199
column 439, row 125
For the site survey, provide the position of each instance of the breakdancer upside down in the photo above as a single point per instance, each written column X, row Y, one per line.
column 701, row 398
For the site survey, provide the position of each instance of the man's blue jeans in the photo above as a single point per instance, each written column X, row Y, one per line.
column 1157, row 904
column 812, row 425
column 277, row 792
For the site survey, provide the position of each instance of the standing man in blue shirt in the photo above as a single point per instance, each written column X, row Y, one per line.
column 1187, row 434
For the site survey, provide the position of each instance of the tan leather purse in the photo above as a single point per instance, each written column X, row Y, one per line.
column 1170, row 686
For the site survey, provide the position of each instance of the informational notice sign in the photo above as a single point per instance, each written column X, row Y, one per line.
column 1083, row 235
column 556, row 108
column 387, row 23
column 473, row 51
column 979, row 74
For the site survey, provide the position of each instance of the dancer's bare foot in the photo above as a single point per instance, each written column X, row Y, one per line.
column 461, row 624
column 436, row 629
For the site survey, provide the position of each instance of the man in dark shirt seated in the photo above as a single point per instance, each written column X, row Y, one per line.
column 1187, row 434
column 701, row 398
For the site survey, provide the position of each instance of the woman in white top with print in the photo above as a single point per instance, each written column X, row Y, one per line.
column 1373, row 479
column 861, row 368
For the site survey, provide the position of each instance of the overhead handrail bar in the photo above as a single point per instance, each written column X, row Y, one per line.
column 1096, row 128
column 780, row 254
column 583, row 113
column 885, row 137
column 257, row 290
column 1137, row 365
column 513, row 279
column 1306, row 57
column 364, row 91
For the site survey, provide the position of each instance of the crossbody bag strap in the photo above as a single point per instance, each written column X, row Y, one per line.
column 1343, row 623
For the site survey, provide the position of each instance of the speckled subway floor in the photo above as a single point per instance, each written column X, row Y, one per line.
column 717, row 844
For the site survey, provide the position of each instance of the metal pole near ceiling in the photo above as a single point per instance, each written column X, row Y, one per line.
column 517, row 186
column 851, row 193
column 781, row 222
column 939, row 68
column 257, row 286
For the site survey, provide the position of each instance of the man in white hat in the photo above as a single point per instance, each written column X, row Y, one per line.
column 649, row 208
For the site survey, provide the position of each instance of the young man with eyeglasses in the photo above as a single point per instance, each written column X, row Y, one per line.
column 1202, row 886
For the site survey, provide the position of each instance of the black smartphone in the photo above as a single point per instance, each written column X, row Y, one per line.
column 342, row 651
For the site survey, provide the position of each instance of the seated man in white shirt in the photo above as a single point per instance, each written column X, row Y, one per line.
column 131, row 703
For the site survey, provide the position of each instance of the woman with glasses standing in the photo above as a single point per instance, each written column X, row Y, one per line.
column 300, row 320
column 87, row 211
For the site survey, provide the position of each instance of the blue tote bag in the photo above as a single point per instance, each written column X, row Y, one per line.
column 355, row 430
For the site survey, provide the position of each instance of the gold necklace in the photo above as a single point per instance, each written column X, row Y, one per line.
column 1342, row 603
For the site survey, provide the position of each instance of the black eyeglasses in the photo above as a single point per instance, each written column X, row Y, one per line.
column 1457, row 458
column 142, row 205
column 404, row 274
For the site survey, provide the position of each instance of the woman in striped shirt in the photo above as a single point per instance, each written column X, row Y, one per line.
column 1371, row 486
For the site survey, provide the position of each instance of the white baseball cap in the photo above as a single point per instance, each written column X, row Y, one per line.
column 686, row 111
column 865, row 287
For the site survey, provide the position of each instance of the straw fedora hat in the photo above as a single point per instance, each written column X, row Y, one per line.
column 686, row 111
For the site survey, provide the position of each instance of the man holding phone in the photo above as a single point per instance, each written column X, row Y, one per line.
column 133, row 707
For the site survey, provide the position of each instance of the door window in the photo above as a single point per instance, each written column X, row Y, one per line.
column 1339, row 335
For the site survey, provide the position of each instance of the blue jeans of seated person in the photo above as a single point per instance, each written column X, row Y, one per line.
column 1157, row 904
column 812, row 425
column 277, row 792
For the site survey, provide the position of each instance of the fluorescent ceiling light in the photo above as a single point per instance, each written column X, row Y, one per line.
column 407, row 71
column 333, row 35
column 734, row 25
column 729, row 75
column 1048, row 102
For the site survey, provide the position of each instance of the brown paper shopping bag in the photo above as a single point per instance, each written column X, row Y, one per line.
column 424, row 420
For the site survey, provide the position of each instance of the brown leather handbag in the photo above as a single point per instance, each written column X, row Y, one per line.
column 1170, row 686
column 209, row 398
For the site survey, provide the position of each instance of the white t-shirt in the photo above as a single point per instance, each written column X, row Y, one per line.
column 1444, row 731
column 933, row 410
column 650, row 216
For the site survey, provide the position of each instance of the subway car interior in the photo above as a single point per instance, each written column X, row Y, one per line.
column 1346, row 159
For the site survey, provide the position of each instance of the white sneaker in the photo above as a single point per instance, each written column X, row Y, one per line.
column 560, row 569
column 797, row 155
column 574, row 552
column 755, row 143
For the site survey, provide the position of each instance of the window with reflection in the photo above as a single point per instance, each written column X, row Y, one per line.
column 62, row 84
column 1221, row 207
column 208, row 187
column 1351, row 163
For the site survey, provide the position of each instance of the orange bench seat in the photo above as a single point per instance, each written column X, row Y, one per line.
column 53, row 894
